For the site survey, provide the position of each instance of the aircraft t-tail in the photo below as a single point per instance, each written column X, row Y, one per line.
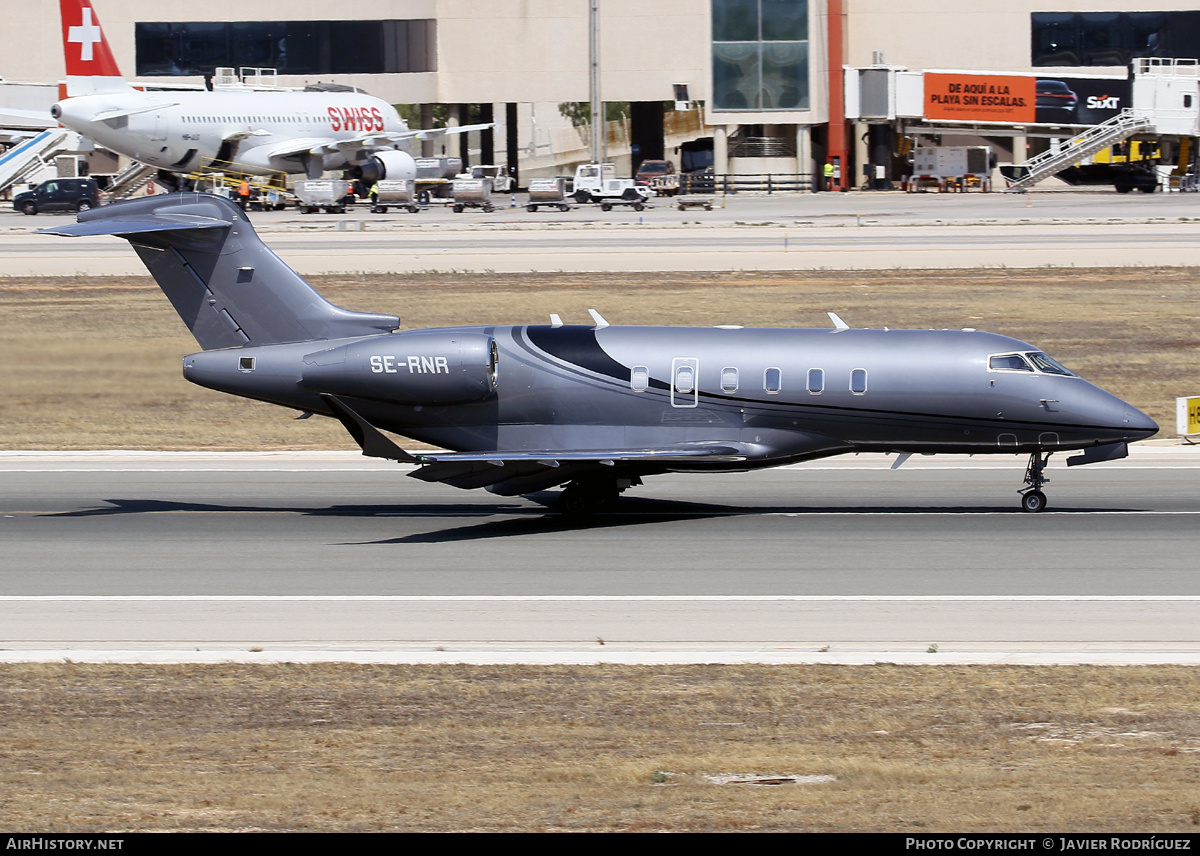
column 598, row 408
column 250, row 131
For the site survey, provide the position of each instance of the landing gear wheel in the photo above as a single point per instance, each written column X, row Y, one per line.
column 581, row 498
column 1032, row 498
column 1033, row 501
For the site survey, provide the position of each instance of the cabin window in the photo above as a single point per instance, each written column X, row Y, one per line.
column 816, row 381
column 246, row 364
column 729, row 379
column 772, row 381
column 858, row 381
column 639, row 378
column 685, row 379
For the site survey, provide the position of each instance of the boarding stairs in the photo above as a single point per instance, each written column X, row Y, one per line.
column 130, row 180
column 1120, row 127
column 30, row 156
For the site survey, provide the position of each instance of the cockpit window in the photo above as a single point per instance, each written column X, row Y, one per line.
column 1049, row 365
column 1008, row 363
column 1031, row 361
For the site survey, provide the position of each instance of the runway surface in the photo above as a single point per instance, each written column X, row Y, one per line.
column 331, row 555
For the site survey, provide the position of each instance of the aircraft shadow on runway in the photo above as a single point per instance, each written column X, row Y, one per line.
column 512, row 520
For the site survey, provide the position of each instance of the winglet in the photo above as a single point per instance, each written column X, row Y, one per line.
column 838, row 322
column 598, row 318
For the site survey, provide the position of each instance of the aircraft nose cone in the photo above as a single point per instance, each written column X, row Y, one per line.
column 1140, row 425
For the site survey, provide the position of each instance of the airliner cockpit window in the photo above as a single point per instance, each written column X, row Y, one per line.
column 1049, row 365
column 1008, row 363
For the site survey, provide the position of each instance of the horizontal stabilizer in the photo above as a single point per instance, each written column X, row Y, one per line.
column 134, row 226
column 106, row 115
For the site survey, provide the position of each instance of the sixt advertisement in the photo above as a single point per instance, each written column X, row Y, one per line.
column 1017, row 99
column 1081, row 100
column 963, row 97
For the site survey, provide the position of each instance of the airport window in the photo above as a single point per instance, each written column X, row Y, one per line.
column 729, row 379
column 1112, row 38
column 760, row 54
column 816, row 381
column 292, row 47
column 772, row 381
column 858, row 381
column 639, row 378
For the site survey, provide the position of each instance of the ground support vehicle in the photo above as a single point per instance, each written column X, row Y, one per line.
column 327, row 194
column 548, row 193
column 472, row 193
column 685, row 202
column 665, row 185
column 395, row 194
column 598, row 182
column 502, row 182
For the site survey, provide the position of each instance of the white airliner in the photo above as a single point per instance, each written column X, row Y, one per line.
column 255, row 131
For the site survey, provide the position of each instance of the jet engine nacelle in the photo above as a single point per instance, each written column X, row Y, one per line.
column 424, row 367
column 392, row 165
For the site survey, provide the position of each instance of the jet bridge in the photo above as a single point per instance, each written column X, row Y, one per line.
column 1083, row 114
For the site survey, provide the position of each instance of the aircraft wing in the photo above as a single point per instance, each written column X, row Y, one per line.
column 434, row 133
column 373, row 140
column 517, row 472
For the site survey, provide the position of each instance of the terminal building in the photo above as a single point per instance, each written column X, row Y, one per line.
column 748, row 87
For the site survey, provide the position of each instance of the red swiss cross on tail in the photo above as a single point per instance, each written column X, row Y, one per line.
column 90, row 63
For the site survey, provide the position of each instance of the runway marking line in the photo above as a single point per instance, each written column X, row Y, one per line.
column 601, row 598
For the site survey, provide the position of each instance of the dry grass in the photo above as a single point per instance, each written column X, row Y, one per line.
column 94, row 363
column 344, row 747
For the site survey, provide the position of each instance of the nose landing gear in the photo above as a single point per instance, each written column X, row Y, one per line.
column 1032, row 498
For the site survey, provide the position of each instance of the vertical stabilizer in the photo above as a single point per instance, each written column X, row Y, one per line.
column 91, row 68
column 226, row 285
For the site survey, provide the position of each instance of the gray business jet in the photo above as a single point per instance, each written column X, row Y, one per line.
column 597, row 408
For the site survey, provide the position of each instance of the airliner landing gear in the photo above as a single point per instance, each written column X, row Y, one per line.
column 584, row 496
column 1032, row 498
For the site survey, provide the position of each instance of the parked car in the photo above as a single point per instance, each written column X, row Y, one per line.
column 58, row 194
column 659, row 175
column 1056, row 102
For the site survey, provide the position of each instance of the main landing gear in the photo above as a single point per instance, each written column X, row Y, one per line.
column 585, row 496
column 1032, row 498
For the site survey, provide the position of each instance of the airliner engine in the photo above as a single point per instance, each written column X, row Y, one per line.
column 431, row 367
column 392, row 165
